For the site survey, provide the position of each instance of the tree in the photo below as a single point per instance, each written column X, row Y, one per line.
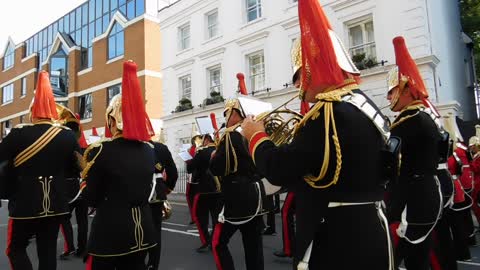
column 470, row 17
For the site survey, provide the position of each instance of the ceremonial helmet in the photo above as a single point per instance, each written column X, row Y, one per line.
column 67, row 118
column 43, row 104
column 475, row 140
column 319, row 55
column 128, row 108
column 233, row 103
column 450, row 125
column 404, row 74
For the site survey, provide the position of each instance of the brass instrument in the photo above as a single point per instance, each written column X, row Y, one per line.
column 279, row 123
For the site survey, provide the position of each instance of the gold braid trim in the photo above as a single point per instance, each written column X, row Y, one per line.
column 405, row 118
column 89, row 163
column 325, row 102
column 229, row 148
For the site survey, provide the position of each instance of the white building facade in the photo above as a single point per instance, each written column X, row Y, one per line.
column 207, row 42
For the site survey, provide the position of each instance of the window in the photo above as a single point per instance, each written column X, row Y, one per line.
column 212, row 24
column 9, row 57
column 254, row 9
column 115, row 42
column 24, row 87
column 184, row 37
column 85, row 106
column 362, row 40
column 185, row 83
column 113, row 91
column 215, row 79
column 6, row 127
column 256, row 73
column 7, row 94
column 59, row 72
column 22, row 119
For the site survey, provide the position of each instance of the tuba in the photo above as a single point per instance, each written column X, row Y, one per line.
column 167, row 210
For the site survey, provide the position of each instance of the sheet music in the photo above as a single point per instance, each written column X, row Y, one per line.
column 185, row 156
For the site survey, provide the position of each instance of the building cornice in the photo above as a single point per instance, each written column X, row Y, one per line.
column 59, row 40
column 18, row 77
column 211, row 53
column 253, row 37
column 14, row 115
column 184, row 63
column 342, row 4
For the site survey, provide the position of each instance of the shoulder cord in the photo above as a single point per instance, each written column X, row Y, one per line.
column 90, row 163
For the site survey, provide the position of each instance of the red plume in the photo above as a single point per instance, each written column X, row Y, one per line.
column 318, row 56
column 44, row 104
column 94, row 131
column 407, row 67
column 214, row 123
column 107, row 132
column 304, row 107
column 82, row 141
column 241, row 84
column 136, row 124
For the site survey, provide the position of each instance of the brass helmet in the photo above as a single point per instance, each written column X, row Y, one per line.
column 114, row 110
column 475, row 140
column 67, row 118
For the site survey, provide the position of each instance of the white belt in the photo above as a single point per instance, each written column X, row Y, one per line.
column 158, row 175
column 442, row 166
column 466, row 166
column 340, row 204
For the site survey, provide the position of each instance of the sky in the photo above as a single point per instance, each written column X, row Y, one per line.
column 20, row 19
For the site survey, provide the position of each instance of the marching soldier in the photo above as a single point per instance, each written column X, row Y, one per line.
column 41, row 155
column 192, row 184
column 76, row 202
column 417, row 189
column 232, row 163
column 288, row 227
column 165, row 166
column 474, row 147
column 119, row 175
column 206, row 201
column 334, row 188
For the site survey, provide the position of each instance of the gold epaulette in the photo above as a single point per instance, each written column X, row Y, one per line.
column 405, row 118
column 229, row 151
column 89, row 163
column 23, row 125
column 325, row 101
column 158, row 166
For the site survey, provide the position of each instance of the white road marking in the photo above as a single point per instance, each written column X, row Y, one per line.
column 178, row 203
column 193, row 230
column 469, row 263
column 181, row 232
column 175, row 224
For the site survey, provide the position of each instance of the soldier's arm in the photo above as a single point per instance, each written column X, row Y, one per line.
column 282, row 165
column 92, row 174
column 8, row 146
column 475, row 165
column 218, row 159
column 170, row 169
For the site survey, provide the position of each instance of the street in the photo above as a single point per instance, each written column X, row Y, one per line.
column 179, row 242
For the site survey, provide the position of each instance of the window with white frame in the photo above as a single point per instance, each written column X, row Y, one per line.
column 6, row 127
column 113, row 91
column 256, row 67
column 362, row 39
column 184, row 37
column 212, row 24
column 9, row 57
column 214, row 79
column 254, row 9
column 85, row 106
column 7, row 94
column 24, row 87
column 185, row 83
column 116, row 40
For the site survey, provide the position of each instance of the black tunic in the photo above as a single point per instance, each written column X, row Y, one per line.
column 37, row 188
column 164, row 163
column 118, row 186
column 417, row 188
column 207, row 182
column 359, row 181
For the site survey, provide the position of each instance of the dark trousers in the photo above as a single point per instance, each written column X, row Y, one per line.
column 81, row 214
column 205, row 205
column 134, row 261
column 442, row 256
column 252, row 244
column 415, row 256
column 274, row 200
column 20, row 232
column 288, row 224
column 460, row 235
column 154, row 253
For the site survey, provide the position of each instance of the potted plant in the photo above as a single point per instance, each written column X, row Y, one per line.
column 184, row 104
column 215, row 97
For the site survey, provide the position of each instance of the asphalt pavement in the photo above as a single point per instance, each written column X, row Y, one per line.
column 179, row 243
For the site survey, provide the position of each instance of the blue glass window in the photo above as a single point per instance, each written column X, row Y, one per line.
column 85, row 36
column 131, row 9
column 85, row 14
column 106, row 9
column 98, row 27
column 113, row 4
column 140, row 7
column 72, row 35
column 98, row 9
column 35, row 43
column 90, row 56
column 91, row 33
column 72, row 21
column 60, row 25
column 91, row 10
column 9, row 58
column 66, row 24
column 55, row 30
column 116, row 41
column 123, row 9
column 78, row 24
column 50, row 35
column 78, row 37
column 122, row 2
column 45, row 38
column 106, row 21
